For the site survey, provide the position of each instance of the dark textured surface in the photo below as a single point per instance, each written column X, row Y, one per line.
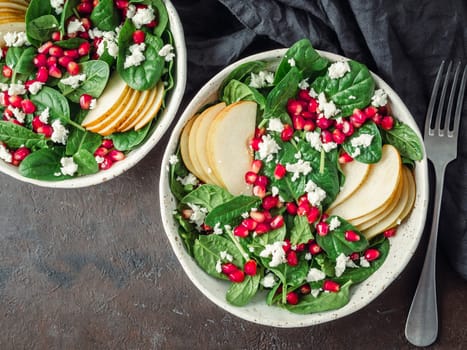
column 92, row 268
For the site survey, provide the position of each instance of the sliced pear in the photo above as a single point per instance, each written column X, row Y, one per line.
column 11, row 19
column 194, row 156
column 184, row 147
column 143, row 119
column 111, row 98
column 381, row 183
column 13, row 5
column 355, row 174
column 227, row 145
column 412, row 191
column 151, row 99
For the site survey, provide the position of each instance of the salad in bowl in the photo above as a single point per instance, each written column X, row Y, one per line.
column 87, row 87
column 295, row 187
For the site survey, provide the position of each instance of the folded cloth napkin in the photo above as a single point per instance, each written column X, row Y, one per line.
column 403, row 41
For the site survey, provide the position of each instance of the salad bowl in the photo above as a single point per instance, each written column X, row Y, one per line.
column 402, row 245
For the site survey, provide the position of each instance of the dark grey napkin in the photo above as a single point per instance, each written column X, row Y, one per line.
column 403, row 41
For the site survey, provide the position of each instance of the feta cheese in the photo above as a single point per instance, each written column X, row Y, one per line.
column 57, row 5
column 219, row 266
column 143, row 16
column 16, row 39
column 245, row 215
column 131, row 11
column 350, row 263
column 136, row 56
column 5, row 154
column 328, row 109
column 276, row 252
column 92, row 104
column 274, row 191
column 269, row 280
column 352, row 97
column 167, row 52
column 308, row 256
column 314, row 138
column 75, row 26
column 198, row 214
column 291, row 62
column 315, row 292
column 109, row 41
column 329, row 146
column 313, row 93
column 69, row 167
column 301, row 167
column 341, row 264
column 275, row 124
column 261, row 79
column 267, row 148
column 334, row 223
column 17, row 113
column 99, row 159
column 303, row 85
column 35, row 87
column 225, row 256
column 217, row 230
column 2, row 98
column 74, row 81
column 315, row 194
column 379, row 98
column 315, row 275
column 338, row 69
column 173, row 159
column 44, row 116
column 298, row 155
column 3, row 86
column 364, row 262
column 190, row 179
column 16, row 89
column 363, row 140
column 60, row 133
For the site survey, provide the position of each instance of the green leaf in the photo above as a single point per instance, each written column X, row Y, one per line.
column 405, row 140
column 129, row 140
column 43, row 165
column 68, row 8
column 55, row 101
column 229, row 212
column 105, row 15
column 16, row 136
column 178, row 170
column 242, row 73
column 291, row 276
column 72, row 43
column 86, row 162
column 40, row 29
column 80, row 139
column 240, row 294
column 208, row 196
column 301, row 231
column 162, row 17
column 237, row 91
column 36, row 9
column 372, row 153
column 269, row 238
column 20, row 59
column 325, row 264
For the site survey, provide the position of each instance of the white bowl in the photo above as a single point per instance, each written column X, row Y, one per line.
column 165, row 119
column 403, row 245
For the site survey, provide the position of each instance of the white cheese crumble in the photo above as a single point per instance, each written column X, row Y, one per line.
column 219, row 266
column 16, row 89
column 143, row 16
column 334, row 223
column 217, row 230
column 314, row 138
column 329, row 146
column 350, row 263
column 2, row 97
column 261, row 79
column 379, row 98
column 274, row 191
column 275, row 124
column 69, row 167
column 327, row 108
column 315, row 292
column 18, row 114
column 364, row 262
column 5, row 154
column 363, row 140
column 313, row 93
column 16, row 39
column 341, row 264
column 167, row 52
column 35, row 87
column 92, row 104
column 136, row 56
column 99, row 159
column 60, row 133
column 173, row 159
column 190, row 179
column 269, row 280
column 74, row 81
column 303, row 85
column 301, row 166
column 267, row 148
column 338, row 69
column 226, row 256
column 75, row 26
column 315, row 275
column 291, row 62
column 44, row 116
column 308, row 256
column 315, row 194
column 276, row 252
column 3, row 86
column 198, row 214
column 352, row 97
column 245, row 215
column 131, row 11
column 57, row 5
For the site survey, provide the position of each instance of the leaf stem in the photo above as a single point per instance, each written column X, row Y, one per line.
column 245, row 255
column 76, row 125
column 322, row 162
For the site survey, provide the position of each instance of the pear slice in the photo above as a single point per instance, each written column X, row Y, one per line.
column 355, row 174
column 194, row 156
column 184, row 147
column 146, row 108
column 227, row 145
column 377, row 190
column 143, row 119
column 13, row 5
column 412, row 190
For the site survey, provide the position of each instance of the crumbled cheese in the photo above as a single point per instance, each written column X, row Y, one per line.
column 92, row 104
column 315, row 275
column 379, row 98
column 341, row 263
column 298, row 155
column 16, row 39
column 338, row 69
column 329, row 146
column 313, row 93
column 190, row 179
column 225, row 256
column 217, row 230
column 292, row 62
column 334, row 223
column 35, row 87
column 16, row 89
column 3, row 86
column 2, row 97
column 74, row 80
column 109, row 41
column 60, row 133
column 363, row 140
column 276, row 252
column 5, row 154
column 75, row 26
column 173, row 159
column 274, row 191
column 328, row 109
column 303, row 85
column 315, row 194
column 350, row 263
column 99, row 159
column 251, row 249
column 18, row 114
column 315, row 292
column 275, row 124
column 301, row 166
column 227, row 228
column 269, row 280
column 245, row 215
column 143, row 16
column 364, row 262
column 219, row 266
column 308, row 256
column 198, row 214
column 267, row 148
column 136, row 56
column 355, row 153
column 57, row 5
column 314, row 138
column 167, row 52
column 261, row 79
column 44, row 116
column 69, row 167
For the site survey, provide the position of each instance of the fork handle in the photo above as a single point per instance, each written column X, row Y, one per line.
column 421, row 328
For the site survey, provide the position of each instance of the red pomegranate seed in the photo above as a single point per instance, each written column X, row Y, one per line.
column 309, row 125
column 151, row 24
column 371, row 254
column 259, row 132
column 249, row 224
column 101, row 152
column 262, row 228
column 52, row 61
column 56, row 36
column 351, row 236
column 314, row 248
column 42, row 74
column 256, row 166
column 262, row 180
column 86, row 22
column 45, row 47
column 304, row 95
column 107, row 143
column 300, row 247
column 277, row 222
column 36, row 123
column 354, row 256
column 83, row 49
column 377, row 119
column 106, row 164
column 258, row 216
column 322, row 228
column 313, row 214
column 121, row 4
column 312, row 105
column 40, row 60
column 254, row 143
column 338, row 136
column 270, row 202
column 15, row 101
column 28, row 106
column 304, row 208
column 229, row 268
column 73, row 68
column 55, row 72
column 358, row 118
column 305, row 289
column 387, row 123
column 237, row 276
column 326, row 136
column 390, row 232
column 84, row 8
column 292, row 258
column 383, row 110
column 298, row 122
column 250, row 177
column 291, row 208
column 345, row 158
column 63, row 61
column 279, row 171
column 240, row 231
column 138, row 36
column 347, row 128
column 308, row 115
column 287, row 246
column 331, row 286
column 21, row 153
column 7, row 72
column 287, row 133
column 259, row 191
column 292, row 298
column 324, row 123
column 250, row 267
column 73, row 53
column 295, row 107
column 116, row 155
column 45, row 130
column 85, row 101
column 370, row 111
column 55, row 51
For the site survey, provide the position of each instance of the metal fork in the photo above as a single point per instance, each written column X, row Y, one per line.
column 441, row 135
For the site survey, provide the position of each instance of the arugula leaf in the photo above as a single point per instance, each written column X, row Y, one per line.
column 405, row 140
column 370, row 154
column 105, row 15
column 237, row 91
column 208, row 196
column 240, row 294
column 16, row 136
column 230, row 211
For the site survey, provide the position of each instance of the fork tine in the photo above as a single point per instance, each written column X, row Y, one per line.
column 442, row 100
column 448, row 114
column 431, row 106
column 460, row 103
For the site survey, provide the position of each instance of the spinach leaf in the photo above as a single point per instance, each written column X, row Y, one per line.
column 242, row 73
column 273, row 294
column 307, row 60
column 105, row 15
column 81, row 139
column 40, row 29
column 67, row 12
column 301, row 231
column 334, row 243
column 97, row 74
column 229, row 212
column 207, row 252
column 36, row 9
column 162, row 17
column 353, row 90
column 240, row 294
column 323, row 302
column 72, row 43
column 43, row 164
column 86, row 162
column 370, row 154
column 237, row 91
column 55, row 101
column 129, row 140
column 148, row 73
column 325, row 264
column 187, row 232
column 20, row 59
column 208, row 196
column 269, row 238
column 178, row 170
column 16, row 136
column 292, row 276
column 405, row 140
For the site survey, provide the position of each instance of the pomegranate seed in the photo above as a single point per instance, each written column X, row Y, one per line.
column 354, row 256
column 259, row 132
column 309, row 125
column 312, row 105
column 151, row 24
column 4, row 99
column 294, row 107
column 292, row 298
column 300, row 247
column 106, row 164
column 21, row 153
column 15, row 101
column 387, row 123
column 331, row 286
column 107, row 143
column 250, row 267
column 279, row 171
column 314, row 248
column 45, row 47
column 270, row 202
column 287, row 246
column 262, row 180
column 258, row 216
column 205, row 227
column 347, row 128
column 85, row 101
column 304, row 208
column 7, row 72
column 45, row 130
column 370, row 111
column 377, row 118
column 28, row 106
column 351, row 236
column 40, row 60
column 55, row 72
column 277, row 222
column 240, row 231
column 313, row 214
column 338, row 136
column 86, row 22
column 324, row 217
column 345, row 158
column 84, row 8
column 56, row 36
column 249, row 224
column 101, row 152
column 291, row 208
column 371, row 254
column 303, row 199
column 256, row 166
column 73, row 54
column 304, row 95
column 324, row 123
column 55, row 51
column 298, row 122
column 250, row 177
column 390, row 232
column 121, row 4
column 259, row 191
column 308, row 115
column 287, row 133
column 262, row 228
column 63, row 61
column 52, row 61
column 237, row 276
column 358, row 118
column 84, row 48
column 383, row 110
column 73, row 68
column 186, row 213
column 267, row 216
column 254, row 144
column 305, row 289
column 322, row 228
column 138, row 36
column 292, row 258
column 326, row 136
column 229, row 268
column 36, row 123
column 116, row 155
